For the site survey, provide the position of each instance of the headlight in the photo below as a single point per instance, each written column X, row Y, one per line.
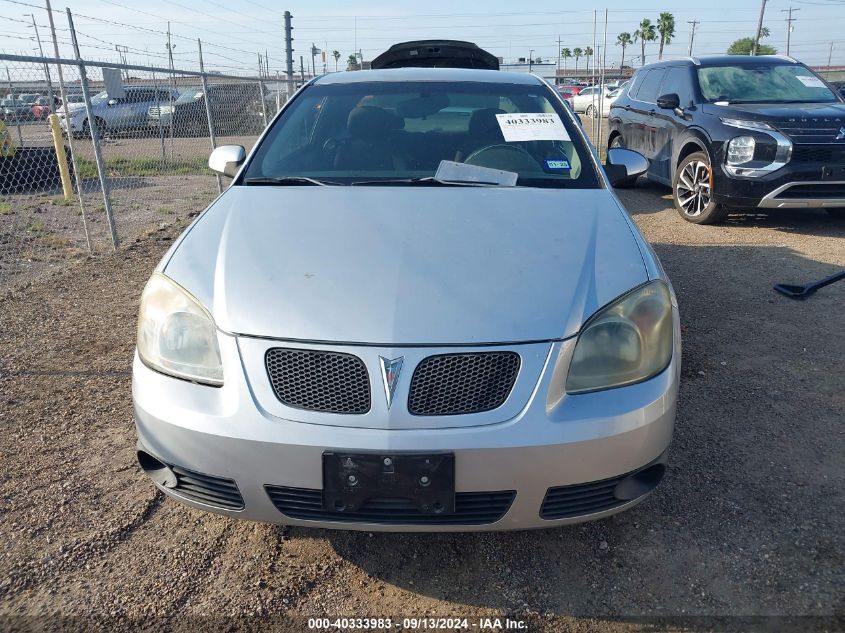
column 748, row 125
column 741, row 150
column 626, row 342
column 176, row 335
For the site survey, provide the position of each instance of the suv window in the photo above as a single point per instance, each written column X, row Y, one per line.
column 763, row 83
column 677, row 81
column 650, row 85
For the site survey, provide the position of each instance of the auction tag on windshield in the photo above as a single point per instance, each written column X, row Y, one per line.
column 532, row 126
column 810, row 82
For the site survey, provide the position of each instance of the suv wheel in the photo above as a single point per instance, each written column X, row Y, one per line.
column 591, row 111
column 86, row 128
column 618, row 141
column 693, row 192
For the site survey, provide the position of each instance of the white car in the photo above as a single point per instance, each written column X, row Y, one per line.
column 587, row 101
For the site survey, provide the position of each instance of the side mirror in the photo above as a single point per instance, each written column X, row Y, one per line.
column 624, row 164
column 669, row 102
column 227, row 159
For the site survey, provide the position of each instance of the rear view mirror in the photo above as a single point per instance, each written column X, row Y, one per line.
column 227, row 159
column 624, row 164
column 669, row 102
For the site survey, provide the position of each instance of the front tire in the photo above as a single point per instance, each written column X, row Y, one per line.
column 692, row 191
column 591, row 112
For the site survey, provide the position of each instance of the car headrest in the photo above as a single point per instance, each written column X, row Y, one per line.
column 371, row 122
column 483, row 124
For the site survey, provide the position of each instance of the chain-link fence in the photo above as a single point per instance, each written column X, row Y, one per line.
column 125, row 152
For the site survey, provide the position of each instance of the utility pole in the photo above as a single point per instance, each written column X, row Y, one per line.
column 121, row 51
column 759, row 27
column 289, row 52
column 557, row 69
column 46, row 67
column 302, row 69
column 314, row 51
column 692, row 35
column 789, row 22
column 172, row 83
column 829, row 58
column 530, row 59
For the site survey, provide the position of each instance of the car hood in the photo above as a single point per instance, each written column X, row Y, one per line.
column 777, row 111
column 408, row 265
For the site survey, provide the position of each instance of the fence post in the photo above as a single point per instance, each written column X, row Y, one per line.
column 207, row 100
column 65, row 105
column 161, row 129
column 17, row 117
column 261, row 89
column 95, row 134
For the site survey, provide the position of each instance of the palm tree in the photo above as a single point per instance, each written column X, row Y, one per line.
column 336, row 55
column 646, row 33
column 565, row 53
column 577, row 52
column 666, row 28
column 624, row 40
column 588, row 52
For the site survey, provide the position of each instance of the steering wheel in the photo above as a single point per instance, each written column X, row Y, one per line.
column 505, row 157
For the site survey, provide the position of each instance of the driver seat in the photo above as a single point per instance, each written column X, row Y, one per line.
column 367, row 146
column 483, row 130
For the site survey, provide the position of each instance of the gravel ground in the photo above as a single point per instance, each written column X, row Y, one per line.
column 748, row 522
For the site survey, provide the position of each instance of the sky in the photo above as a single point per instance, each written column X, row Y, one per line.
column 234, row 32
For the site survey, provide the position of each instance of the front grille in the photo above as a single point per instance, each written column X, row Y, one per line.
column 828, row 154
column 330, row 382
column 471, row 508
column 834, row 190
column 215, row 491
column 810, row 130
column 456, row 384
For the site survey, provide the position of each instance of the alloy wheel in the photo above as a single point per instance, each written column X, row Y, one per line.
column 693, row 188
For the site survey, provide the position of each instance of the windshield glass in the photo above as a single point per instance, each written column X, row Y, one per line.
column 380, row 131
column 756, row 83
column 189, row 95
column 100, row 97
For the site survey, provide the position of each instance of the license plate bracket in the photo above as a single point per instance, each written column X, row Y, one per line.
column 427, row 481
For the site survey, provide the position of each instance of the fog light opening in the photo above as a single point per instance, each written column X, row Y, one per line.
column 157, row 470
column 640, row 483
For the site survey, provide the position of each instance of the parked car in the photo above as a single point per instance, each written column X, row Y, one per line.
column 14, row 110
column 573, row 89
column 736, row 132
column 127, row 114
column 235, row 109
column 41, row 108
column 588, row 100
column 400, row 317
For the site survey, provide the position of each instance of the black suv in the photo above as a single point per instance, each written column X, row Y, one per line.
column 736, row 132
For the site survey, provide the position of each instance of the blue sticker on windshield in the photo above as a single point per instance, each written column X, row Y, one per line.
column 557, row 165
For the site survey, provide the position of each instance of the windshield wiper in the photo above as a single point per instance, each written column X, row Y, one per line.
column 430, row 181
column 282, row 181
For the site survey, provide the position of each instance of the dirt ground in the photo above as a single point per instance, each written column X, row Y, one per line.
column 748, row 525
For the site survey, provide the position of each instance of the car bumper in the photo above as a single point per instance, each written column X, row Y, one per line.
column 794, row 186
column 239, row 460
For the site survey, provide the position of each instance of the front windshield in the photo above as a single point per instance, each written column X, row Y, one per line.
column 100, row 97
column 189, row 95
column 386, row 131
column 762, row 83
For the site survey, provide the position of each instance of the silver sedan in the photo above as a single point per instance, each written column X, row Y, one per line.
column 418, row 306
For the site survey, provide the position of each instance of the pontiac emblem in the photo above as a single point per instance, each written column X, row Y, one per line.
column 390, row 370
column 841, row 135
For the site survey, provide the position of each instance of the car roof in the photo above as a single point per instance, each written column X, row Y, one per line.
column 723, row 60
column 429, row 74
